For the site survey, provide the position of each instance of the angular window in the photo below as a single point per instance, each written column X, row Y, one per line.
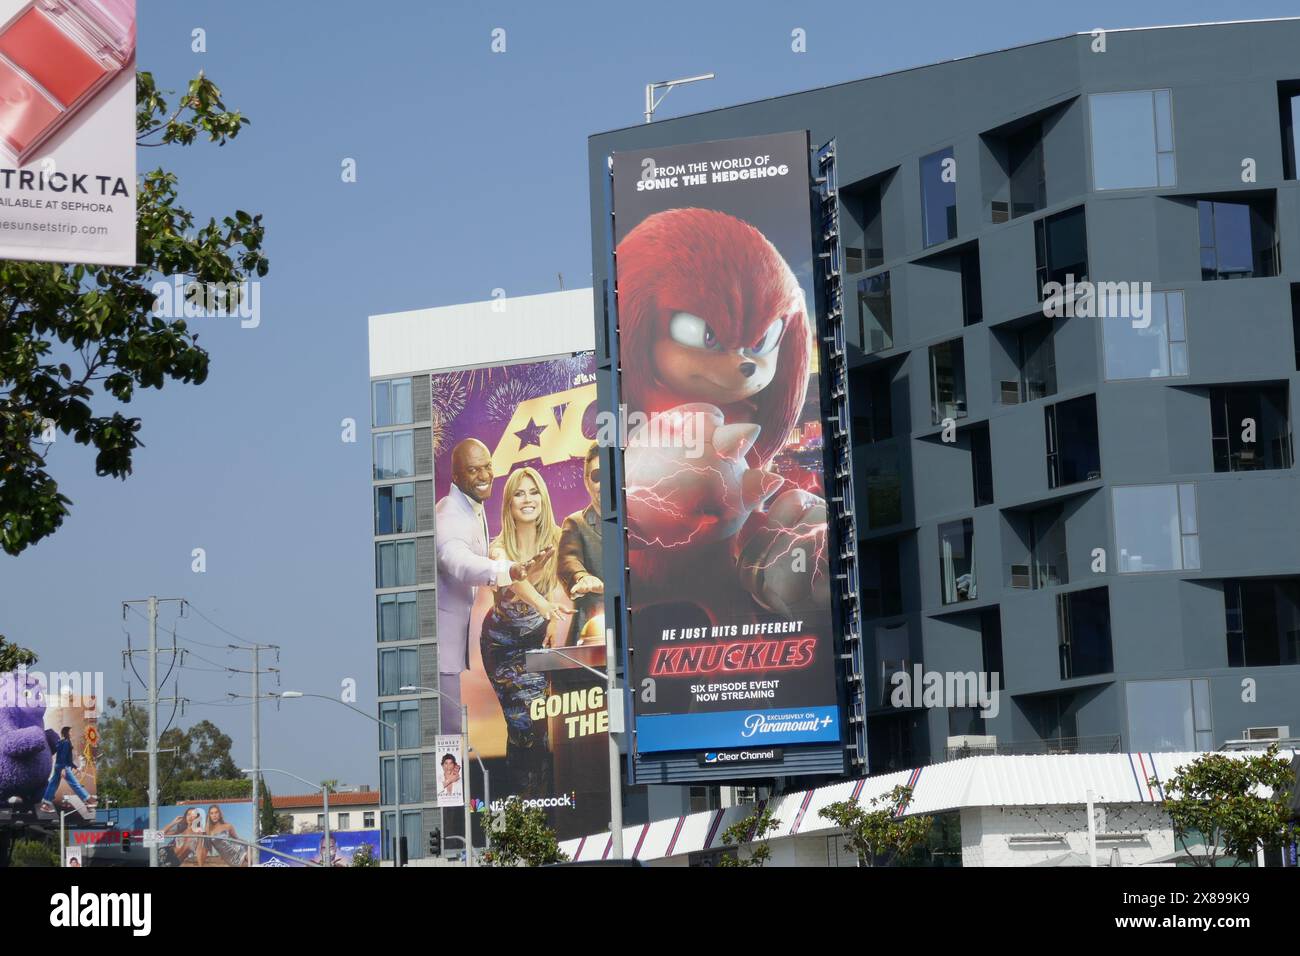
column 391, row 402
column 1288, row 106
column 1295, row 323
column 981, row 466
column 881, row 581
column 1083, row 633
column 991, row 643
column 872, row 404
column 1150, row 346
column 972, row 294
column 1169, row 715
column 394, row 455
column 876, row 313
column 1072, row 450
column 947, row 381
column 1238, row 239
column 938, row 197
column 1061, row 248
column 957, row 561
column 395, row 564
column 1035, row 354
column 883, row 484
column 965, row 721
column 1132, row 140
column 1156, row 528
column 395, row 509
column 1250, row 427
column 1263, row 621
column 1042, row 536
column 397, row 616
column 862, row 203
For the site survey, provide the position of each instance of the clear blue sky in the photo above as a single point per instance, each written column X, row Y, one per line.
column 471, row 176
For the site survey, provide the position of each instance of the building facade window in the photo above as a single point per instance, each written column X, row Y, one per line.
column 391, row 402
column 947, row 381
column 1250, row 427
column 404, row 714
column 1156, row 528
column 1083, row 633
column 395, row 564
column 1041, row 534
column 395, row 509
column 872, row 402
column 883, row 484
column 398, row 668
column 1263, row 621
column 368, row 820
column 880, row 578
column 875, row 304
column 862, row 205
column 397, row 616
column 1151, row 346
column 1034, row 350
column 1169, row 715
column 1073, row 454
column 957, row 561
column 394, row 455
column 1061, row 248
column 1238, row 239
column 972, row 289
column 981, row 466
column 345, row 821
column 938, row 197
column 1132, row 140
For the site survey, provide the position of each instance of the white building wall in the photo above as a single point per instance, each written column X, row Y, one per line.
column 987, row 832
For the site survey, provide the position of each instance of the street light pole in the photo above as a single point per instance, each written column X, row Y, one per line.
column 651, row 104
column 469, row 817
column 397, row 765
column 325, row 796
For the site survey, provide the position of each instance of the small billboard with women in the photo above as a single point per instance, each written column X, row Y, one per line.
column 209, row 835
column 520, row 600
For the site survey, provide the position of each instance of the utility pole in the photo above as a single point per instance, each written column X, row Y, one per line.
column 151, row 745
column 256, row 769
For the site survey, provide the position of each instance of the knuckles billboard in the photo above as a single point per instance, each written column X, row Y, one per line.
column 731, row 630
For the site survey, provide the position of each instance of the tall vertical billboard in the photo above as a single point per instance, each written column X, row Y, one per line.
column 731, row 628
column 520, row 600
column 67, row 131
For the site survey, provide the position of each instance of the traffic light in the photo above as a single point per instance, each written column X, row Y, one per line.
column 404, row 853
column 435, row 843
column 126, row 841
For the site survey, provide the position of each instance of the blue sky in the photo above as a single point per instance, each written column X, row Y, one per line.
column 470, row 176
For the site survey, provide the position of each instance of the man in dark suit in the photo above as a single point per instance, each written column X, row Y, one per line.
column 579, row 559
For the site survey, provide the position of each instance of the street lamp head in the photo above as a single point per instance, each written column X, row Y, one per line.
column 288, row 694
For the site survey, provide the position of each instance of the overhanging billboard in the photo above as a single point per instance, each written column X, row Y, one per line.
column 731, row 626
column 67, row 131
column 312, row 848
column 517, row 477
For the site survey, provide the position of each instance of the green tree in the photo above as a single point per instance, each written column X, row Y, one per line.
column 1234, row 804
column 267, row 823
column 12, row 656
column 364, row 856
column 520, row 836
column 76, row 341
column 34, row 853
column 750, row 831
column 880, row 833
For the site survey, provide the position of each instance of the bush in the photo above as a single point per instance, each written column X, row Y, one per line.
column 34, row 853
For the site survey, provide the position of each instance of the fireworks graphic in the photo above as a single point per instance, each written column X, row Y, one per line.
column 501, row 404
column 447, row 400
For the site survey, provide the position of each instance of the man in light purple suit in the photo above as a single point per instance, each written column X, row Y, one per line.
column 464, row 567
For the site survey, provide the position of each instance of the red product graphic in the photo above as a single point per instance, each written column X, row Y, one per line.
column 715, row 333
column 732, row 658
column 55, row 56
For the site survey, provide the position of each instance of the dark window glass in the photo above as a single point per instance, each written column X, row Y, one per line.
column 395, row 509
column 398, row 620
column 1061, row 248
column 1288, row 101
column 981, row 466
column 1263, row 622
column 972, row 295
column 1083, row 631
column 392, row 402
column 1042, row 560
column 957, row 561
column 965, row 721
column 991, row 642
column 1027, row 173
column 872, row 404
column 1238, row 239
column 1258, row 412
column 1072, row 451
column 883, row 486
column 1036, row 361
column 1053, row 718
column 873, row 230
column 876, row 313
column 881, row 581
column 1295, row 323
column 938, row 198
column 947, row 381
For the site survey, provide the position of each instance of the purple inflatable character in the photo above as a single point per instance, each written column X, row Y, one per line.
column 25, row 744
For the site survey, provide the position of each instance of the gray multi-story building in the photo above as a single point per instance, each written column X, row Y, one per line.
column 1103, row 510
